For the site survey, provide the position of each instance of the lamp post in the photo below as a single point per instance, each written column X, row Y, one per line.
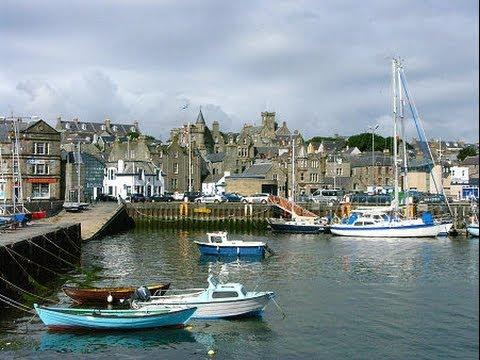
column 373, row 128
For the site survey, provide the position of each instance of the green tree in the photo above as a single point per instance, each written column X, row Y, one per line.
column 468, row 151
column 133, row 135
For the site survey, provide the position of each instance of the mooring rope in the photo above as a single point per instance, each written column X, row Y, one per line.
column 25, row 291
column 13, row 303
column 65, row 261
column 33, row 262
column 69, row 239
column 59, row 247
column 24, row 270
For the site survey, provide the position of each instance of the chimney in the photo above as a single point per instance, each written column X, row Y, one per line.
column 76, row 120
column 107, row 124
column 59, row 122
column 135, row 123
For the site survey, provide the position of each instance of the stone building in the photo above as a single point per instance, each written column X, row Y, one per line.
column 366, row 173
column 103, row 133
column 39, row 158
column 173, row 160
column 267, row 177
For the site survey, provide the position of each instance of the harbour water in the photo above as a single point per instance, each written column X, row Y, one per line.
column 343, row 298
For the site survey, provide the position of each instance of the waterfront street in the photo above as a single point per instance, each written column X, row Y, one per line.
column 395, row 299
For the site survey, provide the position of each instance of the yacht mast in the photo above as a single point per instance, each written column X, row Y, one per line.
column 78, row 172
column 189, row 160
column 401, row 104
column 293, row 167
column 395, row 164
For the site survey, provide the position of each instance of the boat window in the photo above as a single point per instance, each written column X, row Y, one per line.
column 359, row 223
column 224, row 294
column 216, row 239
column 367, row 223
column 244, row 292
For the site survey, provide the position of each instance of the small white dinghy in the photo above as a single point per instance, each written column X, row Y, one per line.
column 215, row 302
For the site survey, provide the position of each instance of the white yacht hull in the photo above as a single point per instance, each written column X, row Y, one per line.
column 393, row 231
column 214, row 309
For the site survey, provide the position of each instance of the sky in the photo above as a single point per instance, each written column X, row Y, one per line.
column 322, row 66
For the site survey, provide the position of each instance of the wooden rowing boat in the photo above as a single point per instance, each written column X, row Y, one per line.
column 89, row 295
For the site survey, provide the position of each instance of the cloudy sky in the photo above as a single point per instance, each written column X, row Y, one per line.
column 323, row 66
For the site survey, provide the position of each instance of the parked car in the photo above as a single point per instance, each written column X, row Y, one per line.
column 136, row 198
column 162, row 198
column 191, row 195
column 304, row 198
column 178, row 196
column 210, row 199
column 106, row 197
column 327, row 195
column 230, row 197
column 379, row 199
column 256, row 199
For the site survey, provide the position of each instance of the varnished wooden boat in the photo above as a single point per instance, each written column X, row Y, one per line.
column 89, row 295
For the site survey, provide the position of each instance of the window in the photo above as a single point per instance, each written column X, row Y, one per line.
column 114, row 128
column 111, row 174
column 314, row 177
column 40, row 191
column 315, row 164
column 275, row 177
column 2, row 190
column 84, row 126
column 175, row 168
column 302, row 176
column 40, row 148
column 67, row 126
column 103, row 127
column 339, row 171
column 224, row 294
column 40, row 169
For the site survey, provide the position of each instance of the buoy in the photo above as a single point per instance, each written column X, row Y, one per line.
column 109, row 298
column 211, row 352
column 189, row 327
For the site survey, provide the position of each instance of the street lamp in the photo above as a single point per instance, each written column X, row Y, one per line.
column 373, row 128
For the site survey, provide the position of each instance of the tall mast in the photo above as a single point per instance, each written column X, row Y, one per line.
column 78, row 173
column 189, row 159
column 4, row 185
column 395, row 150
column 293, row 167
column 404, row 143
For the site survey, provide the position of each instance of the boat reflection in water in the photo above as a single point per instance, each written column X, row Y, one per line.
column 88, row 341
column 209, row 259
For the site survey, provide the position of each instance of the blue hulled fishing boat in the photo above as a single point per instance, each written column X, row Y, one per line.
column 218, row 244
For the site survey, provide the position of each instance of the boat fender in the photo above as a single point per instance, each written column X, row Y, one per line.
column 109, row 298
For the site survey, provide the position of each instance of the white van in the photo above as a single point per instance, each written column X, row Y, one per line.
column 327, row 195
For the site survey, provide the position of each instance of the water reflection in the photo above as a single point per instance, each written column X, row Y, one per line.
column 87, row 342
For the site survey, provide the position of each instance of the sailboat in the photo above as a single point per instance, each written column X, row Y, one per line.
column 389, row 223
column 302, row 221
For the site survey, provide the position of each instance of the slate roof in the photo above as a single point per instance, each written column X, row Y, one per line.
column 213, row 178
column 6, row 126
column 470, row 160
column 257, row 170
column 365, row 159
column 93, row 127
column 215, row 157
column 266, row 151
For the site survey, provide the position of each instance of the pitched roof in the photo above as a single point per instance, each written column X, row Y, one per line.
column 200, row 119
column 215, row 157
column 470, row 160
column 257, row 169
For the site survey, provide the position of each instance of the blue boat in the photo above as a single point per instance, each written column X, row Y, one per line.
column 66, row 318
column 218, row 244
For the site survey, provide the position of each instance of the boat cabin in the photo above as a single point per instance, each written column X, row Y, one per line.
column 217, row 290
column 217, row 237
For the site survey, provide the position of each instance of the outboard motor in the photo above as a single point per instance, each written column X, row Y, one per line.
column 141, row 294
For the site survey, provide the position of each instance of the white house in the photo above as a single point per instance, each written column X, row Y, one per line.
column 459, row 174
column 215, row 184
column 133, row 177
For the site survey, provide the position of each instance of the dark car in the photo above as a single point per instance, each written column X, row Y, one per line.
column 232, row 197
column 162, row 198
column 105, row 197
column 192, row 195
column 137, row 198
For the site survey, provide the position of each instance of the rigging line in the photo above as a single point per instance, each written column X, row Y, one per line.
column 37, row 264
column 23, row 290
column 63, row 260
column 14, row 301
column 24, row 270
column 59, row 247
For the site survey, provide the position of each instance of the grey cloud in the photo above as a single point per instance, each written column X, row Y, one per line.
column 323, row 66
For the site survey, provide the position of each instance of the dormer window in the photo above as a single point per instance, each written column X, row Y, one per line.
column 132, row 129
column 67, row 126
column 114, row 128
column 84, row 126
column 104, row 127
